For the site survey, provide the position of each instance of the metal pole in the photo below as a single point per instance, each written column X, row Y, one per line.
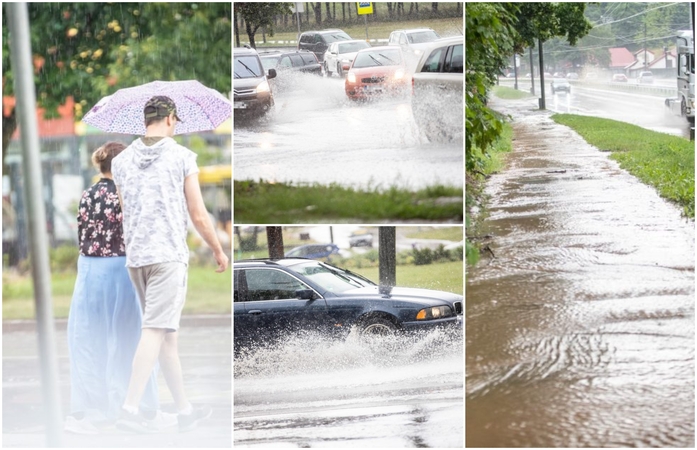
column 20, row 54
column 532, row 74
column 365, row 17
column 515, row 71
column 542, row 74
column 388, row 259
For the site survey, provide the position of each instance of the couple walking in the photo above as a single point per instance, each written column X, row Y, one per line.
column 132, row 280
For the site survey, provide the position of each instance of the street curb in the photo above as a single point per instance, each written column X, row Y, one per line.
column 196, row 320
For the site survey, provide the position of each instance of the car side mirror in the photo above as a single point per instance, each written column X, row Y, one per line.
column 305, row 294
column 272, row 74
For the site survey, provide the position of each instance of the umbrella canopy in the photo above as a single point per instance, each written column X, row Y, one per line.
column 200, row 108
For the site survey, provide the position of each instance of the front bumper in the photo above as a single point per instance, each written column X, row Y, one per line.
column 455, row 322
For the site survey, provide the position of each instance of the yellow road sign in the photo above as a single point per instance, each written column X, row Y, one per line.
column 364, row 7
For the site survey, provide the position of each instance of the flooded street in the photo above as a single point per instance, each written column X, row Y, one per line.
column 580, row 331
column 315, row 392
column 315, row 134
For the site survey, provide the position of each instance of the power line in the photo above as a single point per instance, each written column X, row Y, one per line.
column 637, row 14
column 638, row 41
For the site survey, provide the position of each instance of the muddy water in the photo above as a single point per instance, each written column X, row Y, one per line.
column 580, row 329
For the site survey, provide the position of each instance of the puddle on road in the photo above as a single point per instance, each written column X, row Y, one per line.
column 580, row 331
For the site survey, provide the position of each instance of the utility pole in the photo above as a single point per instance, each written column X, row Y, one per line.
column 542, row 74
column 645, row 61
column 515, row 71
column 22, row 67
column 387, row 257
column 532, row 74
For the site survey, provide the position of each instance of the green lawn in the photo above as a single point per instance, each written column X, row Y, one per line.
column 208, row 293
column 660, row 160
column 441, row 276
column 262, row 202
column 441, row 233
column 509, row 93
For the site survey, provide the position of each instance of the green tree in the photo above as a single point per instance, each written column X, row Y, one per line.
column 88, row 50
column 257, row 15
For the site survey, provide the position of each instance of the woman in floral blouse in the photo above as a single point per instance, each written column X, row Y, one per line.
column 105, row 314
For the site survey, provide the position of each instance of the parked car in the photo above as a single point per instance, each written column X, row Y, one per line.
column 560, row 84
column 313, row 251
column 377, row 71
column 361, row 240
column 318, row 41
column 572, row 76
column 413, row 42
column 620, row 77
column 297, row 61
column 645, row 78
column 277, row 298
column 251, row 89
column 437, row 87
column 558, row 75
column 339, row 56
column 591, row 76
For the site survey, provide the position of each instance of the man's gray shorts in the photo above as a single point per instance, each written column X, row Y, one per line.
column 161, row 289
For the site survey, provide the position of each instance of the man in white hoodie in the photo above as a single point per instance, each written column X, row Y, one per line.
column 157, row 180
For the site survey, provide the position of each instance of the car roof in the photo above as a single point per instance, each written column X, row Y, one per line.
column 281, row 52
column 380, row 47
column 413, row 30
column 244, row 51
column 327, row 30
column 286, row 261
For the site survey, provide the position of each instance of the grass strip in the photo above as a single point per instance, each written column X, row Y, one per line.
column 262, row 202
column 446, row 276
column 509, row 93
column 208, row 293
column 660, row 160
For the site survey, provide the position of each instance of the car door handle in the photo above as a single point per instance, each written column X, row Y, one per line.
column 256, row 312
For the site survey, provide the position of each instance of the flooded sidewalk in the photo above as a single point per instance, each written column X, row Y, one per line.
column 580, row 322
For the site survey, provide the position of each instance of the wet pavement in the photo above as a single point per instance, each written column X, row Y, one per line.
column 315, row 134
column 313, row 392
column 206, row 356
column 580, row 328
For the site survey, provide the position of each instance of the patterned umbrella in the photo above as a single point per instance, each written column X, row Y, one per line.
column 200, row 108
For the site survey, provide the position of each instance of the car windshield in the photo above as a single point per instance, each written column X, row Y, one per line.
column 351, row 47
column 334, row 37
column 329, row 278
column 386, row 57
column 421, row 37
column 247, row 67
column 269, row 62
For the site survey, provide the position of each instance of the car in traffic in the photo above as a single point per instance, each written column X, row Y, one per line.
column 339, row 56
column 361, row 239
column 572, row 76
column 318, row 41
column 619, row 77
column 252, row 96
column 560, row 84
column 413, row 42
column 645, row 77
column 294, row 61
column 313, row 251
column 274, row 299
column 437, row 87
column 377, row 71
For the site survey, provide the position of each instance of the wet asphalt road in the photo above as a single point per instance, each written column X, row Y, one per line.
column 315, row 134
column 206, row 354
column 580, row 331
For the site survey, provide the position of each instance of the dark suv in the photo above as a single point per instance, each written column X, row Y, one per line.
column 318, row 41
column 252, row 92
column 298, row 60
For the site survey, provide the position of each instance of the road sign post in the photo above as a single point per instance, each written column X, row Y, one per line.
column 364, row 8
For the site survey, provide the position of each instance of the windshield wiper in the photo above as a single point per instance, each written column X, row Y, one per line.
column 340, row 275
column 246, row 67
column 373, row 58
column 386, row 58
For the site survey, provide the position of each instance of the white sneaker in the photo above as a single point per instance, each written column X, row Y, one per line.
column 163, row 420
column 83, row 426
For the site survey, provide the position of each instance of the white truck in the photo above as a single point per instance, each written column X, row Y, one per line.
column 684, row 104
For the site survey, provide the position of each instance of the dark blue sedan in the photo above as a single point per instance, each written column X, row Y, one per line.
column 275, row 298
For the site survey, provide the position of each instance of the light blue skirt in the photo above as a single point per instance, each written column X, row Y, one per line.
column 103, row 333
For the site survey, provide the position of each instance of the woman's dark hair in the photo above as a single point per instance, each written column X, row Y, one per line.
column 102, row 157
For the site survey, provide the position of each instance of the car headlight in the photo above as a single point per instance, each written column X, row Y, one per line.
column 435, row 312
column 351, row 77
column 399, row 74
column 263, row 87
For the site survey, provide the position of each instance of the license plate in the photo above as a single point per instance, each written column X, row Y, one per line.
column 374, row 89
column 240, row 105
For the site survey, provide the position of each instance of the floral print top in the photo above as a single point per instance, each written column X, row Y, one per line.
column 99, row 218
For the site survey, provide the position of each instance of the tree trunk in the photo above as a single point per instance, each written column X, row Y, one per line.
column 274, row 236
column 411, row 8
column 350, row 9
column 390, row 14
column 250, row 34
column 343, row 12
column 434, row 7
column 317, row 8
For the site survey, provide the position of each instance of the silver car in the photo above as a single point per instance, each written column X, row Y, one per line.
column 437, row 90
column 340, row 55
column 413, row 43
